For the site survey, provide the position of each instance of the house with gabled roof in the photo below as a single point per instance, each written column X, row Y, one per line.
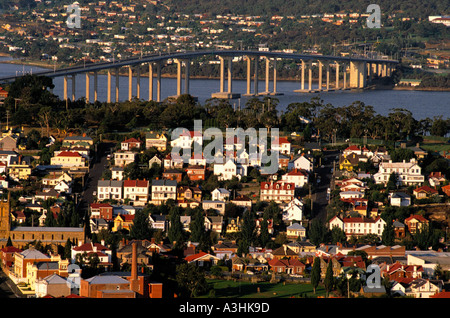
column 202, row 259
column 52, row 285
column 415, row 222
column 137, row 191
column 123, row 222
column 288, row 266
column 103, row 253
column 130, row 143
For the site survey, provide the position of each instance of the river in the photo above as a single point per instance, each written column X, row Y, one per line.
column 422, row 104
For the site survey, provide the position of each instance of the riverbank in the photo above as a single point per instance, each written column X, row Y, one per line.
column 426, row 89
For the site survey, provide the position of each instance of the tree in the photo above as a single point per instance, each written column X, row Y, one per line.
column 191, row 280
column 338, row 235
column 315, row 273
column 317, row 232
column 175, row 233
column 329, row 279
column 247, row 234
column 140, row 229
column 388, row 235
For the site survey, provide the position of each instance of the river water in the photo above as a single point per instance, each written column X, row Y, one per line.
column 422, row 104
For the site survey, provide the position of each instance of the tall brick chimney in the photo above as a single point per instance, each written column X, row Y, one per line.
column 134, row 282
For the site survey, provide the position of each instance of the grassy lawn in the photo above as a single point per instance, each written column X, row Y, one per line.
column 232, row 289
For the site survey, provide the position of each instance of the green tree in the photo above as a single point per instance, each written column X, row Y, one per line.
column 140, row 229
column 315, row 273
column 175, row 233
column 388, row 235
column 317, row 232
column 247, row 234
column 329, row 279
column 191, row 281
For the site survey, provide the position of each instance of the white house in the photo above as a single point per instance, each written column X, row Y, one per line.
column 358, row 226
column 163, row 190
column 123, row 158
column 186, row 140
column 301, row 163
column 109, row 189
column 229, row 169
column 400, row 199
column 220, row 194
column 297, row 177
column 137, row 191
column 279, row 191
column 408, row 173
column 293, row 211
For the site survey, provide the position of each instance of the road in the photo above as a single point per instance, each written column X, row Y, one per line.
column 326, row 177
column 7, row 288
column 95, row 173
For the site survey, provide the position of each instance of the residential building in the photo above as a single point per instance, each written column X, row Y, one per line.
column 123, row 158
column 295, row 231
column 278, row 191
column 296, row 176
column 408, row 173
column 400, row 199
column 293, row 211
column 196, row 172
column 137, row 191
column 157, row 140
column 358, row 226
column 101, row 211
column 129, row 144
column 217, row 206
column 303, row 162
column 109, row 189
column 103, row 253
column 424, row 192
column 415, row 223
column 220, row 194
column 68, row 159
column 163, row 190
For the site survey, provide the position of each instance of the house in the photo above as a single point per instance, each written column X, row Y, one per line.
column 68, row 159
column 129, row 144
column 408, row 173
column 196, row 172
column 53, row 178
column 172, row 163
column 3, row 182
column 109, row 189
column 293, row 211
column 220, row 194
column 217, row 206
column 424, row 192
column 358, row 150
column 417, row 288
column 302, row 162
column 155, row 160
column 7, row 256
column 284, row 252
column 9, row 143
column 6, row 156
column 242, row 201
column 278, row 191
column 23, row 258
column 288, row 266
column 415, row 223
column 103, row 253
column 446, row 190
column 296, row 176
column 101, row 211
column 399, row 199
column 399, row 229
column 202, row 259
column 123, row 158
column 397, row 271
column 189, row 196
column 228, row 170
column 157, row 140
column 123, row 222
column 248, row 264
column 186, row 139
column 19, row 168
column 295, row 231
column 117, row 173
column 52, row 285
column 358, row 226
column 137, row 191
column 436, row 179
column 158, row 222
column 351, row 161
column 225, row 248
column 76, row 140
column 163, row 190
column 282, row 145
column 214, row 223
column 173, row 174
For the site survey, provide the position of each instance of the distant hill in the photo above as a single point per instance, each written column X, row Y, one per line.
column 416, row 9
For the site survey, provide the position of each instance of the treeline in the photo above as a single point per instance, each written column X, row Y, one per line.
column 30, row 103
column 302, row 7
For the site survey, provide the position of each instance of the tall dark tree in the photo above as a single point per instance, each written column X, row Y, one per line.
column 329, row 279
column 140, row 229
column 315, row 273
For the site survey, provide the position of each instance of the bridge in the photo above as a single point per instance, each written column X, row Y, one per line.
column 355, row 72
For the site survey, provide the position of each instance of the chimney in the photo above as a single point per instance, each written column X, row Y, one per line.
column 134, row 283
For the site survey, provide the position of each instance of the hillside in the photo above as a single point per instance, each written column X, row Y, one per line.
column 417, row 9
